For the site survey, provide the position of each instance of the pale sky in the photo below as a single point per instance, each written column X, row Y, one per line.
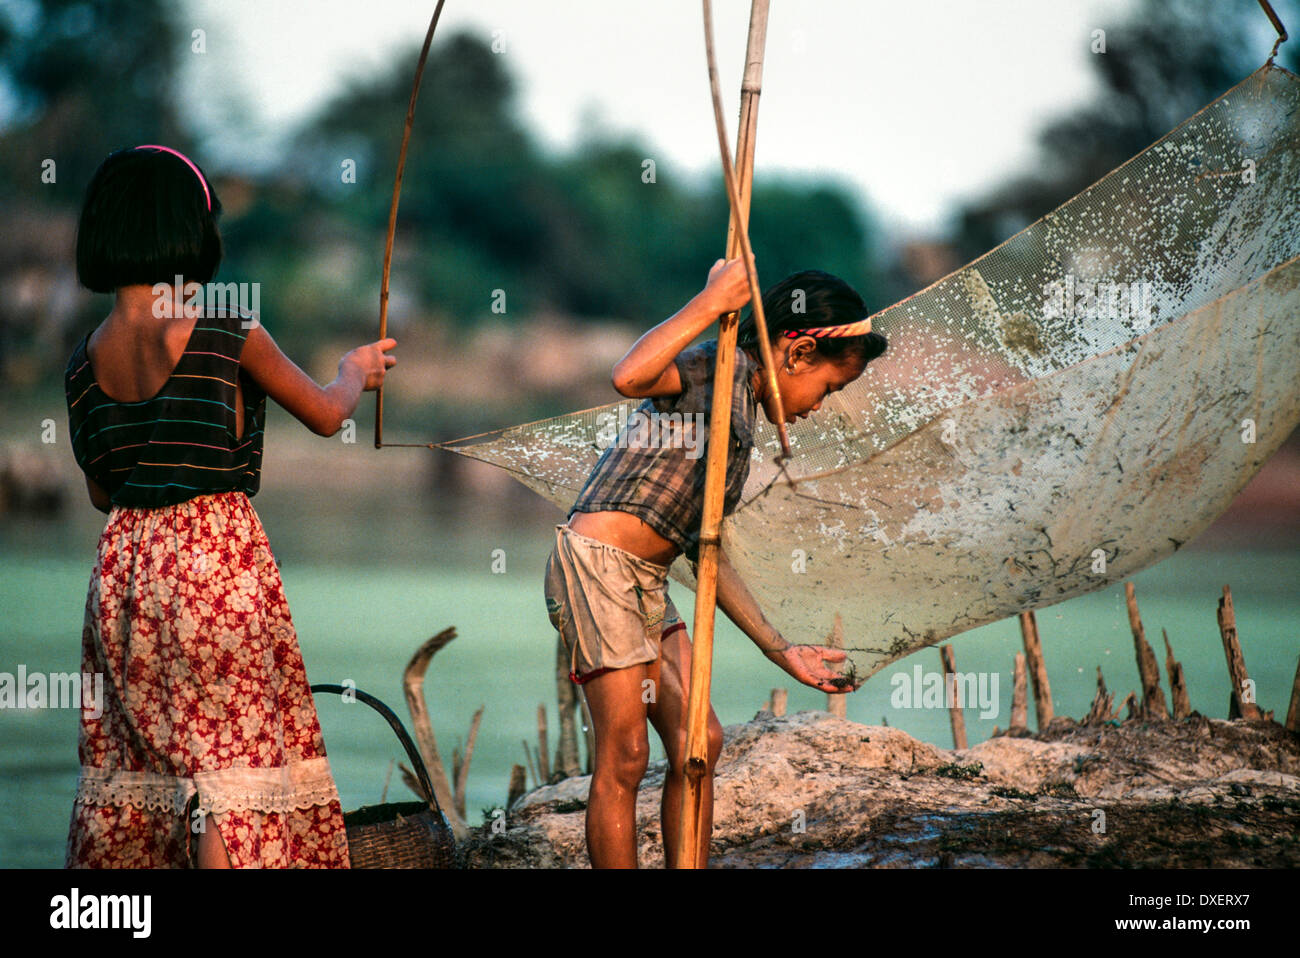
column 914, row 106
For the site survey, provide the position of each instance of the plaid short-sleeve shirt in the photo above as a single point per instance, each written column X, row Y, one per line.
column 655, row 468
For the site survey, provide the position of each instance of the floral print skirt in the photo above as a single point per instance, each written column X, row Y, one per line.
column 206, row 714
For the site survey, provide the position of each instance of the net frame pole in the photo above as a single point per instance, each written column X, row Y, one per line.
column 392, row 212
column 688, row 851
column 1274, row 19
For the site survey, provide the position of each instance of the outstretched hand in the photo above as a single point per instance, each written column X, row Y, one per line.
column 808, row 664
column 372, row 362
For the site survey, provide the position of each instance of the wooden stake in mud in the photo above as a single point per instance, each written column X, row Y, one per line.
column 1019, row 697
column 1177, row 682
column 566, row 696
column 692, row 841
column 955, row 715
column 392, row 213
column 1037, row 669
column 1293, row 712
column 1153, row 699
column 413, row 687
column 1236, row 664
column 777, row 702
column 1102, row 710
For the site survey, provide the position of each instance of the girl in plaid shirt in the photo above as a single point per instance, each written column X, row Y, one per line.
column 606, row 581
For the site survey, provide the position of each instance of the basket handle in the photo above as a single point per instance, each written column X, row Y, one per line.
column 417, row 762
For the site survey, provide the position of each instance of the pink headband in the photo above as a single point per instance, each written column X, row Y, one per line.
column 188, row 162
column 859, row 328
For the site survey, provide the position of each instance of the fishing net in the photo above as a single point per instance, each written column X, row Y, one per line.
column 1061, row 413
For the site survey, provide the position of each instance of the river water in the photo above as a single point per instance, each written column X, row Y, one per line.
column 369, row 577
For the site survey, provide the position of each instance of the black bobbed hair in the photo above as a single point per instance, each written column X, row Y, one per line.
column 810, row 299
column 145, row 219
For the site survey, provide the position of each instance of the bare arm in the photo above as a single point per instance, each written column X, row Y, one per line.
column 98, row 497
column 807, row 663
column 321, row 409
column 648, row 368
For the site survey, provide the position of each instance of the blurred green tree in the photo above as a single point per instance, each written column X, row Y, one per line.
column 586, row 233
column 1164, row 62
column 81, row 80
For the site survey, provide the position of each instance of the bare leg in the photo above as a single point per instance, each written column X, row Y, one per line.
column 668, row 715
column 212, row 850
column 618, row 716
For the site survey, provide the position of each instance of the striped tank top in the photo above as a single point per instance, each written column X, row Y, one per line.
column 181, row 443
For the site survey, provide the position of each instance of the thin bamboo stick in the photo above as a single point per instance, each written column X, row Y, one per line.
column 1274, row 19
column 1277, row 25
column 688, row 852
column 738, row 193
column 392, row 212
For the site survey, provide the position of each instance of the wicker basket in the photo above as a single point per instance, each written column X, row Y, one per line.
column 397, row 834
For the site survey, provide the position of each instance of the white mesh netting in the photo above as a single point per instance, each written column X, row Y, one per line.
column 1080, row 393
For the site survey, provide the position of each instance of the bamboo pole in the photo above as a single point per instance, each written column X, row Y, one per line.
column 955, row 716
column 392, row 211
column 1277, row 25
column 1153, row 699
column 1037, row 669
column 688, row 851
column 1236, row 663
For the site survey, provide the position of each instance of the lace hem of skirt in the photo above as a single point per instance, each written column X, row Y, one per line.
column 289, row 788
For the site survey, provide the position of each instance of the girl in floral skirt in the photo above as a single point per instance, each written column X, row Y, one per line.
column 208, row 749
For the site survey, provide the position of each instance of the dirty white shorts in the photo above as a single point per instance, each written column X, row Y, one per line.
column 610, row 607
